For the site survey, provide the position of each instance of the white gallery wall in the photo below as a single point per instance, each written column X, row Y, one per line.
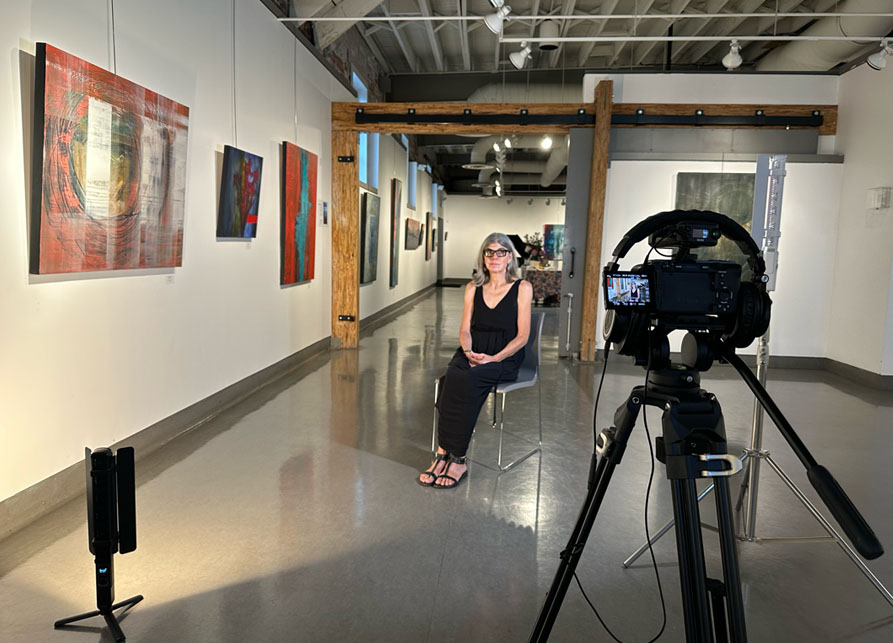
column 855, row 251
column 469, row 219
column 414, row 272
column 861, row 320
column 89, row 359
column 802, row 298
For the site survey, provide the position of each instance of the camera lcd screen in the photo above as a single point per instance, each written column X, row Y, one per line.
column 627, row 290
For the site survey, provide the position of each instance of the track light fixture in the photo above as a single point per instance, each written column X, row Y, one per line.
column 563, row 201
column 507, row 143
column 494, row 20
column 546, row 143
column 733, row 60
column 548, row 201
column 878, row 60
column 519, row 58
column 496, row 147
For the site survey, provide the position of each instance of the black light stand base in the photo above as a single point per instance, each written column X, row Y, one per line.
column 108, row 615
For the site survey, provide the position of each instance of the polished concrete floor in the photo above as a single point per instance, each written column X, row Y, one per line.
column 294, row 515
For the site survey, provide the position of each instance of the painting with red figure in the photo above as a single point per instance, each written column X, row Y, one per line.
column 109, row 170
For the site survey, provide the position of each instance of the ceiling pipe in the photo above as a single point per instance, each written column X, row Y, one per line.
column 515, row 167
column 529, row 179
column 812, row 55
column 480, row 149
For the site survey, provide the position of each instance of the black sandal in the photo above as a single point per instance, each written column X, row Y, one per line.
column 439, row 457
column 452, row 460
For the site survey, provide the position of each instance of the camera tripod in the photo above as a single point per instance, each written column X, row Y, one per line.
column 692, row 446
column 861, row 534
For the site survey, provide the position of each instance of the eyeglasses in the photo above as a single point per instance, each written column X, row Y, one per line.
column 501, row 252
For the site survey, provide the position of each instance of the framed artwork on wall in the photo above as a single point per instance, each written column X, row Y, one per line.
column 108, row 170
column 298, row 230
column 429, row 229
column 728, row 194
column 553, row 240
column 369, row 238
column 239, row 194
column 413, row 234
column 396, row 195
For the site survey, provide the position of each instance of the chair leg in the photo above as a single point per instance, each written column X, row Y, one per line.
column 502, row 431
column 539, row 387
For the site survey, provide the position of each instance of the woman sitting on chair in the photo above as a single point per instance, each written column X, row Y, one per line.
column 494, row 330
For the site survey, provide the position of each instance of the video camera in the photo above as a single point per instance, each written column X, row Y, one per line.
column 708, row 298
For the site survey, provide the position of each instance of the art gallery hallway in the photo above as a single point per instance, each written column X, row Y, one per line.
column 294, row 515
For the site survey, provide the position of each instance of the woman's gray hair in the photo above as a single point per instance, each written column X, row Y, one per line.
column 481, row 274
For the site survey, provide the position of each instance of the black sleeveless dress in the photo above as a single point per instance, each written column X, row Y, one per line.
column 465, row 389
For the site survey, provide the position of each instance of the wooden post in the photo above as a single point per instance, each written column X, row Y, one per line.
column 589, row 334
column 345, row 240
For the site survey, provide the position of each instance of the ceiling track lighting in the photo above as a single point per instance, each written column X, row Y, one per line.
column 546, row 143
column 878, row 60
column 494, row 21
column 520, row 58
column 733, row 60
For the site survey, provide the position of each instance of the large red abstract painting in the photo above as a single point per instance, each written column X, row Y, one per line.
column 298, row 232
column 109, row 174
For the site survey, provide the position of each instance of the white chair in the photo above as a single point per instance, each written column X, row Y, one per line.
column 528, row 375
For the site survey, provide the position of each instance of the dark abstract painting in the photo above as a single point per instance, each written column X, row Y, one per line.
column 396, row 196
column 298, row 230
column 369, row 243
column 429, row 230
column 239, row 194
column 413, row 234
column 109, row 170
column 726, row 193
column 553, row 240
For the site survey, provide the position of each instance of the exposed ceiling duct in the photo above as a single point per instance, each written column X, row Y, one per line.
column 813, row 55
column 517, row 167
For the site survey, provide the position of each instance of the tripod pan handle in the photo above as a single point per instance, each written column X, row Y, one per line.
column 843, row 509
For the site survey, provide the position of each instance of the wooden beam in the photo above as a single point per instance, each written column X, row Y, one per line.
column 345, row 240
column 594, row 228
column 343, row 115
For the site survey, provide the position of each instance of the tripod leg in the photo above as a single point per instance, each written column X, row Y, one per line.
column 114, row 628
column 641, row 550
column 571, row 555
column 833, row 532
column 728, row 547
column 62, row 622
column 692, row 570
